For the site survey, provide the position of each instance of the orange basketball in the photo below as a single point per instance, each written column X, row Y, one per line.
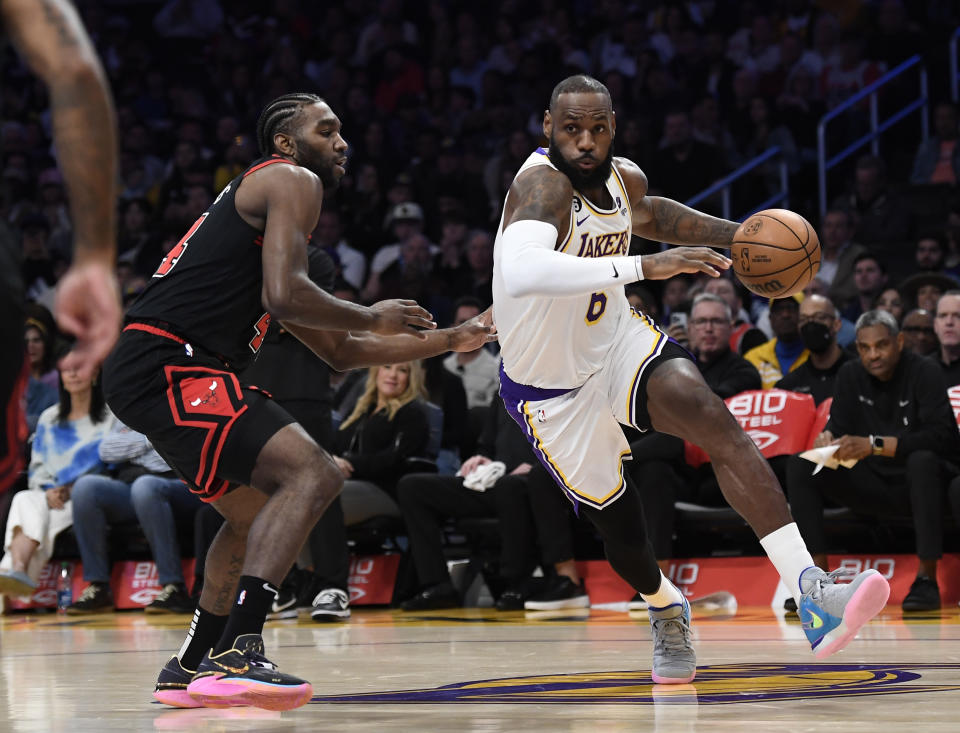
column 775, row 253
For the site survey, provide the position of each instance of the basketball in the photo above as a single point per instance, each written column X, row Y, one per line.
column 775, row 253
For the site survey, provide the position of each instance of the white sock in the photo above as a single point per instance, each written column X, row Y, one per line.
column 667, row 594
column 789, row 555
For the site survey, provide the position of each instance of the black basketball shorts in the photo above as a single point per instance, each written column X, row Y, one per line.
column 207, row 425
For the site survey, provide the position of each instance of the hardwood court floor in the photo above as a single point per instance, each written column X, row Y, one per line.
column 480, row 671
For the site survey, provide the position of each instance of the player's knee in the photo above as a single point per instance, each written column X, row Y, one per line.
column 322, row 480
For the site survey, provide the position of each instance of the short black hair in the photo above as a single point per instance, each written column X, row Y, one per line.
column 578, row 84
column 277, row 115
column 870, row 256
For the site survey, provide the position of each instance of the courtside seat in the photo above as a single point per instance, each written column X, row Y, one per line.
column 709, row 530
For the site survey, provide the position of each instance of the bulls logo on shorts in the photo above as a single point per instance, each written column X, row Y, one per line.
column 207, row 400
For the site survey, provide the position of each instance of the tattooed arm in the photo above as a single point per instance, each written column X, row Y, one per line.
column 536, row 223
column 666, row 220
column 541, row 194
column 50, row 37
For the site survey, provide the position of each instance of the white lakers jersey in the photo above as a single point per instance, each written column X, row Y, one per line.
column 558, row 343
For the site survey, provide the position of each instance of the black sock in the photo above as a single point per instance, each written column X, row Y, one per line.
column 205, row 631
column 254, row 596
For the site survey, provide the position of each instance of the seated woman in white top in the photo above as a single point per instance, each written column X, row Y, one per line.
column 65, row 447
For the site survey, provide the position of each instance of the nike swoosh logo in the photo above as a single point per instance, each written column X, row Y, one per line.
column 580, row 221
column 615, row 273
column 904, row 403
column 815, row 621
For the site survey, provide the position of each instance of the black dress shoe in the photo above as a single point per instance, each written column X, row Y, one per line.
column 435, row 597
column 924, row 595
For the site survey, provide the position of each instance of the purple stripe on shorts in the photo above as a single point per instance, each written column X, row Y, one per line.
column 514, row 392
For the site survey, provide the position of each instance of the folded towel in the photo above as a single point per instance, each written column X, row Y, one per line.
column 485, row 476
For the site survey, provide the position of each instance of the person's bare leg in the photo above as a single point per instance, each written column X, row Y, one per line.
column 21, row 550
column 680, row 403
column 301, row 480
column 928, row 568
column 227, row 551
column 820, row 560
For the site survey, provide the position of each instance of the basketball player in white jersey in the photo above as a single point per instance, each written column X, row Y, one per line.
column 577, row 361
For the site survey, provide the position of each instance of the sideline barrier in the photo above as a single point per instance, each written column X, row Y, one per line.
column 135, row 583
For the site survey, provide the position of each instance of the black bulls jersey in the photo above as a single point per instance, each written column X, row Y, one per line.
column 208, row 287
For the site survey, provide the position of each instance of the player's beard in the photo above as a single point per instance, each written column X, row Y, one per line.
column 323, row 165
column 581, row 180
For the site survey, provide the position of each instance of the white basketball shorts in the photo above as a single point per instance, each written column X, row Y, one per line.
column 576, row 433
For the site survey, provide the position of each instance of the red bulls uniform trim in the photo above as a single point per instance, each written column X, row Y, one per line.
column 265, row 163
column 210, row 400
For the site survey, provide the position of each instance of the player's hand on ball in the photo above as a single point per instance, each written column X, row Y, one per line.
column 473, row 334
column 664, row 265
column 400, row 316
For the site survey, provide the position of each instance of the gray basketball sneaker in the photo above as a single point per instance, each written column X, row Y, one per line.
column 674, row 660
column 833, row 613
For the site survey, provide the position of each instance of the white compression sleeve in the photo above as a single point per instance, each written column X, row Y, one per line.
column 530, row 266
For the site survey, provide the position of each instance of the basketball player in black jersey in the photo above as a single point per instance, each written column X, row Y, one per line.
column 173, row 377
column 51, row 40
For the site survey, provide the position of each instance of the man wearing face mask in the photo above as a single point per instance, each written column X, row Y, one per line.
column 891, row 414
column 819, row 326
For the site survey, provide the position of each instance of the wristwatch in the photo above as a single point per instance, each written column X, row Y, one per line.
column 876, row 442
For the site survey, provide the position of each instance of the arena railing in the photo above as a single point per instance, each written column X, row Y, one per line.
column 954, row 71
column 723, row 185
column 877, row 127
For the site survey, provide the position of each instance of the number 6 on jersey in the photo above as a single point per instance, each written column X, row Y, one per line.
column 598, row 304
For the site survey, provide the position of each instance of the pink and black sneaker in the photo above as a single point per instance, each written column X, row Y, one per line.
column 244, row 676
column 172, row 686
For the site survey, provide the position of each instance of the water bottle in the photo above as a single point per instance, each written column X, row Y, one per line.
column 64, row 587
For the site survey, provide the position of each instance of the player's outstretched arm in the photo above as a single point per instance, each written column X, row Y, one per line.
column 51, row 38
column 288, row 199
column 664, row 265
column 355, row 350
column 665, row 220
column 536, row 219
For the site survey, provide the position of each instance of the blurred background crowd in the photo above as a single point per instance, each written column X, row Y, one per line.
column 441, row 102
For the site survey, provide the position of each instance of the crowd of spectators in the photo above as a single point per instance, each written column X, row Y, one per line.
column 442, row 102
